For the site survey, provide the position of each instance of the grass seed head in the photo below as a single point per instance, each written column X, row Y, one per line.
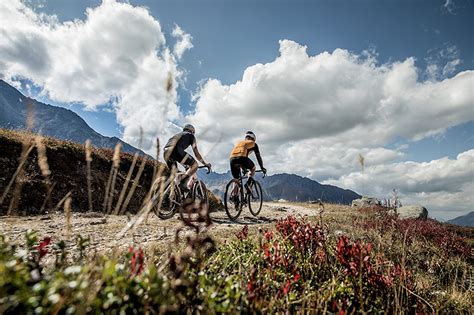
column 116, row 157
column 88, row 151
column 42, row 157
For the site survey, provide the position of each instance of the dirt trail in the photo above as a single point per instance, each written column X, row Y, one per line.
column 155, row 233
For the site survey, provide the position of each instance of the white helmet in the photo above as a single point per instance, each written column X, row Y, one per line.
column 250, row 134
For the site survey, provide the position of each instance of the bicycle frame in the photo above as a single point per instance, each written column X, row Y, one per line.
column 173, row 185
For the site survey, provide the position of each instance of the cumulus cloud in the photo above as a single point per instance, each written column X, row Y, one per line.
column 117, row 54
column 314, row 115
column 441, row 184
column 337, row 100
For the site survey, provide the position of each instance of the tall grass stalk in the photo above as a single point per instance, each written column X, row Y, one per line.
column 60, row 203
column 45, row 171
column 88, row 148
column 125, row 185
column 136, row 180
column 26, row 150
column 148, row 206
column 109, row 191
column 68, row 213
column 18, row 177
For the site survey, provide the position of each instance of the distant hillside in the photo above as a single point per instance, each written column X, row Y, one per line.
column 68, row 175
column 53, row 121
column 286, row 186
column 464, row 220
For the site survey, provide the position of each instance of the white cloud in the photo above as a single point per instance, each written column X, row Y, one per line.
column 442, row 62
column 118, row 52
column 184, row 41
column 440, row 185
column 331, row 100
column 313, row 115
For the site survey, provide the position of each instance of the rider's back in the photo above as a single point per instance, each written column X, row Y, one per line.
column 180, row 141
column 242, row 148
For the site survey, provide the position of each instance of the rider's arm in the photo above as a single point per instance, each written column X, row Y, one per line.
column 197, row 154
column 259, row 158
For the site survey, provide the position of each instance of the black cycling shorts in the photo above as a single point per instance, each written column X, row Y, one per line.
column 240, row 162
column 176, row 156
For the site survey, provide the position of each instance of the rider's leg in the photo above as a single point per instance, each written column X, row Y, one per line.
column 252, row 171
column 192, row 167
column 248, row 164
column 235, row 170
column 235, row 190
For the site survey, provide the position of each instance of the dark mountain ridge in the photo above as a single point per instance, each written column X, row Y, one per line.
column 463, row 220
column 289, row 187
column 48, row 120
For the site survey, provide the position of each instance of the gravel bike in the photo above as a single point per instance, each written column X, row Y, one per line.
column 171, row 198
column 249, row 195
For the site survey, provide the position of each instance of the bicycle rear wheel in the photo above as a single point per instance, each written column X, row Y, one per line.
column 233, row 207
column 255, row 198
column 168, row 200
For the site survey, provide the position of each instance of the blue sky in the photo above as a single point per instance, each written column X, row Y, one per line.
column 415, row 60
column 229, row 36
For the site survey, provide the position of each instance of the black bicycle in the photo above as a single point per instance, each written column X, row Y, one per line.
column 170, row 198
column 249, row 195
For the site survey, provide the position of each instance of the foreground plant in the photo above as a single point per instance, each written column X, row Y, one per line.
column 298, row 266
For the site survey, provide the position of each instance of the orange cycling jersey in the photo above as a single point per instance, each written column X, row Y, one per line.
column 243, row 148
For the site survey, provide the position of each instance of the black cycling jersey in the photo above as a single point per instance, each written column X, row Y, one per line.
column 180, row 142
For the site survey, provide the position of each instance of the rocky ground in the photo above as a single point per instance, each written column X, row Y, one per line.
column 152, row 234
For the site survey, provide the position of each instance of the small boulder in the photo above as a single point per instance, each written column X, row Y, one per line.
column 365, row 202
column 412, row 211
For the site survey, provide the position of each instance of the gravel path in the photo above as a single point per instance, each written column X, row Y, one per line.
column 153, row 233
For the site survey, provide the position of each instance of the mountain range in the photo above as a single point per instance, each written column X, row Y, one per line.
column 464, row 220
column 289, row 187
column 48, row 120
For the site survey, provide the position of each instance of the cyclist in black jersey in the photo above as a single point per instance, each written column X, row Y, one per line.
column 174, row 152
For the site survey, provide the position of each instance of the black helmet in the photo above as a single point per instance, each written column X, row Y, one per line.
column 251, row 135
column 189, row 128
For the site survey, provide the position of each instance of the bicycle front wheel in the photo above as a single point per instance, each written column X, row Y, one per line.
column 200, row 194
column 255, row 198
column 233, row 204
column 167, row 200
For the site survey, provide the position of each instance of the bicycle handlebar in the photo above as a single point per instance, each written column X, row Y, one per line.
column 260, row 171
column 208, row 168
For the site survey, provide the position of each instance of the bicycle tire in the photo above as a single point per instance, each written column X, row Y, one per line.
column 228, row 204
column 168, row 207
column 256, row 190
column 200, row 193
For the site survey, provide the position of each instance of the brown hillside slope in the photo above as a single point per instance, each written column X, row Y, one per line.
column 68, row 168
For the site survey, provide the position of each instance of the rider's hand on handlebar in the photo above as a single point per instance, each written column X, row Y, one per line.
column 208, row 165
column 264, row 170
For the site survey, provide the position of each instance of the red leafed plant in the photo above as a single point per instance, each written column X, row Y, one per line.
column 243, row 234
column 137, row 261
column 42, row 247
column 305, row 237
